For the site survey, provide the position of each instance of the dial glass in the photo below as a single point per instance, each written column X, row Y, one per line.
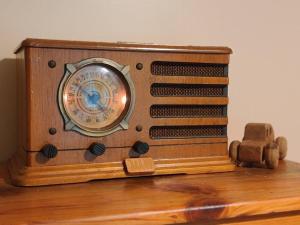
column 96, row 97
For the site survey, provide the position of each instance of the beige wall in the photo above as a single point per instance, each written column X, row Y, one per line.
column 265, row 37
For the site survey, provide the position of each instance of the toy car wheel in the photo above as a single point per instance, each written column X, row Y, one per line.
column 282, row 144
column 233, row 150
column 271, row 154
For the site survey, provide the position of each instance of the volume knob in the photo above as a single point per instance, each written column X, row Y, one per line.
column 97, row 149
column 141, row 147
column 49, row 151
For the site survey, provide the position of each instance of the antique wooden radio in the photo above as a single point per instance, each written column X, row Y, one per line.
column 90, row 110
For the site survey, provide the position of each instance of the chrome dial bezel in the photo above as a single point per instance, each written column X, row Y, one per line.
column 70, row 70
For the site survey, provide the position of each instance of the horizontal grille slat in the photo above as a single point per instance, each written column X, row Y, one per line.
column 187, row 111
column 164, row 68
column 164, row 132
column 189, row 90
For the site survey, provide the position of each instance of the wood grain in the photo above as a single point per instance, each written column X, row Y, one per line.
column 260, row 194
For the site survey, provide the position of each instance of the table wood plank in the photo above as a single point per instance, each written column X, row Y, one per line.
column 155, row 200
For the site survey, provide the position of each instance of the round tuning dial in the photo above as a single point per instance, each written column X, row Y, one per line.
column 97, row 149
column 96, row 97
column 141, row 147
column 49, row 151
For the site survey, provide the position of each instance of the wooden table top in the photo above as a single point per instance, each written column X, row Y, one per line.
column 155, row 200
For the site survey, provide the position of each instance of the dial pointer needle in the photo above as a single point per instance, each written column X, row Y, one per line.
column 84, row 91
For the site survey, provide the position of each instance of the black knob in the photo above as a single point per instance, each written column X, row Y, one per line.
column 50, row 151
column 97, row 149
column 141, row 147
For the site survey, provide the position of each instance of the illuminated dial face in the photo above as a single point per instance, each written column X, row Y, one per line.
column 95, row 98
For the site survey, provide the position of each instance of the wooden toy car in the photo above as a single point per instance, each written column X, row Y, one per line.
column 258, row 147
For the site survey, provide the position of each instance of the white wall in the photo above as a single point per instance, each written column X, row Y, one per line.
column 265, row 37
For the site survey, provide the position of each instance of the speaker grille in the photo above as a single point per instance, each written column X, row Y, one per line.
column 189, row 69
column 192, row 90
column 187, row 111
column 161, row 132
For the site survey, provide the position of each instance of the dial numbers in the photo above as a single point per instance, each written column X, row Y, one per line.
column 93, row 97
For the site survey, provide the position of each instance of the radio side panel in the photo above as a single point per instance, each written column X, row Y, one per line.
column 22, row 69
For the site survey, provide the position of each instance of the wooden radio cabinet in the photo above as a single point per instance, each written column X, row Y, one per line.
column 90, row 110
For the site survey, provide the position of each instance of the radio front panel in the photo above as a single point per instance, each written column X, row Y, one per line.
column 169, row 102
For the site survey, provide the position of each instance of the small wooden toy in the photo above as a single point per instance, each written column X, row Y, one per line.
column 258, row 147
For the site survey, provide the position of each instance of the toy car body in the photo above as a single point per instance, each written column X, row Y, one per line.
column 259, row 146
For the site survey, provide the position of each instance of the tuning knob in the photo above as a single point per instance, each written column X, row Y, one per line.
column 141, row 147
column 97, row 149
column 49, row 151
